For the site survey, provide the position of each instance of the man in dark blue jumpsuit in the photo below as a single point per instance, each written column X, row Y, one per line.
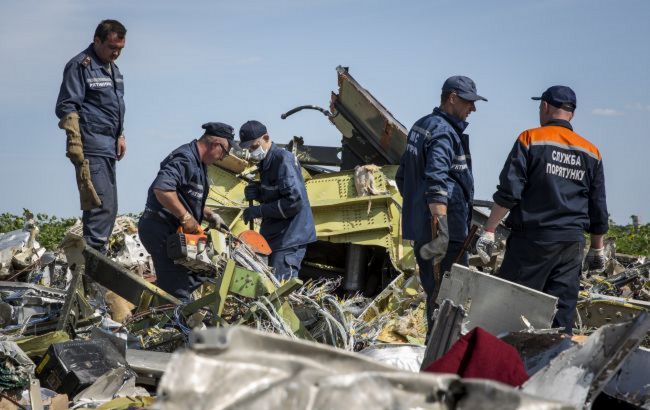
column 435, row 181
column 553, row 185
column 91, row 111
column 287, row 222
column 177, row 198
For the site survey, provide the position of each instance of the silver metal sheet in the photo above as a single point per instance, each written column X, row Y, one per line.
column 238, row 367
column 632, row 382
column 148, row 362
column 446, row 331
column 495, row 304
column 580, row 373
column 400, row 356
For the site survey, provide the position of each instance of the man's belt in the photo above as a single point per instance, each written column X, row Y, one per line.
column 157, row 216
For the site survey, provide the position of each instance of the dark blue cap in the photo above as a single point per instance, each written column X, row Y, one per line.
column 464, row 88
column 559, row 96
column 249, row 132
column 219, row 129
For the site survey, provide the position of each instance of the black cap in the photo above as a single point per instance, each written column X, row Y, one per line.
column 559, row 96
column 249, row 132
column 464, row 88
column 219, row 129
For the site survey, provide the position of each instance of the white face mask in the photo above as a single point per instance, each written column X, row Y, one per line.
column 259, row 154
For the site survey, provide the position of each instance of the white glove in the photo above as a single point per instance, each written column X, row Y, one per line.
column 595, row 259
column 485, row 246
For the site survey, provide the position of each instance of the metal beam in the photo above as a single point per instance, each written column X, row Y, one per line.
column 313, row 154
column 121, row 281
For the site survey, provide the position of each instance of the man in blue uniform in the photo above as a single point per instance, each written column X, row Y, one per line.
column 287, row 222
column 553, row 185
column 177, row 198
column 91, row 111
column 436, row 183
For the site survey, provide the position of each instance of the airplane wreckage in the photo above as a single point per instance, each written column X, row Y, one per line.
column 81, row 329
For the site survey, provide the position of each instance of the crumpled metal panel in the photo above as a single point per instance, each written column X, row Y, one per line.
column 447, row 327
column 10, row 244
column 631, row 382
column 238, row 367
column 356, row 113
column 226, row 196
column 598, row 310
column 495, row 304
column 579, row 374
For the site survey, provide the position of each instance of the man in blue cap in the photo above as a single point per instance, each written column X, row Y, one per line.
column 177, row 198
column 436, row 183
column 287, row 221
column 91, row 109
column 553, row 186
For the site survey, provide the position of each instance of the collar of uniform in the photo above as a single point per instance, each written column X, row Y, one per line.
column 95, row 62
column 195, row 151
column 454, row 121
column 266, row 162
column 559, row 123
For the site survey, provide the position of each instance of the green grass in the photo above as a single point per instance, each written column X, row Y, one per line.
column 631, row 242
column 52, row 229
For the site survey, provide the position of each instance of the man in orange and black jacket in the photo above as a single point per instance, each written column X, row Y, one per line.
column 553, row 185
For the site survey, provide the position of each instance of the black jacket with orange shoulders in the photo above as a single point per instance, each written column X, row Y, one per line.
column 554, row 185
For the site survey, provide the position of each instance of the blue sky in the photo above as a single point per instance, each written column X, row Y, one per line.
column 186, row 63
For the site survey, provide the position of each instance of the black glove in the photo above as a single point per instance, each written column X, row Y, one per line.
column 252, row 212
column 437, row 248
column 252, row 191
column 215, row 221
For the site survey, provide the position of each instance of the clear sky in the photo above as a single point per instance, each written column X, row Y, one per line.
column 186, row 63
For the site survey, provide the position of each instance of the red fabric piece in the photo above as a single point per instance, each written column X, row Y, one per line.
column 481, row 355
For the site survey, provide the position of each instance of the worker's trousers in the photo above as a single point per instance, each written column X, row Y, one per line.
column 551, row 267
column 427, row 279
column 170, row 277
column 98, row 223
column 286, row 262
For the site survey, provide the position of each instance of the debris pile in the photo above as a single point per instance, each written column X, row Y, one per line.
column 86, row 329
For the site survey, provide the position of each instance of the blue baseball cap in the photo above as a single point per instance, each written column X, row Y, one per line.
column 559, row 96
column 249, row 132
column 463, row 86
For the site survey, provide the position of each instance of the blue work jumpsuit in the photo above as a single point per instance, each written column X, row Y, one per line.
column 287, row 221
column 95, row 91
column 436, row 167
column 182, row 171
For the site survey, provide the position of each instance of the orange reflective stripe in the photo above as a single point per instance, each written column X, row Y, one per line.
column 559, row 137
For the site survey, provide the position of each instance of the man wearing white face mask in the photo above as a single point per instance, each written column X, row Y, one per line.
column 287, row 221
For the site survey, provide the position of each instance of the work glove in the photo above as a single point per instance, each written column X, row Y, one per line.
column 252, row 191
column 485, row 246
column 215, row 221
column 189, row 224
column 74, row 147
column 252, row 212
column 88, row 197
column 437, row 248
column 595, row 259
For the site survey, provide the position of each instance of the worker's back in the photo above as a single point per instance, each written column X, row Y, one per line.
column 564, row 191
